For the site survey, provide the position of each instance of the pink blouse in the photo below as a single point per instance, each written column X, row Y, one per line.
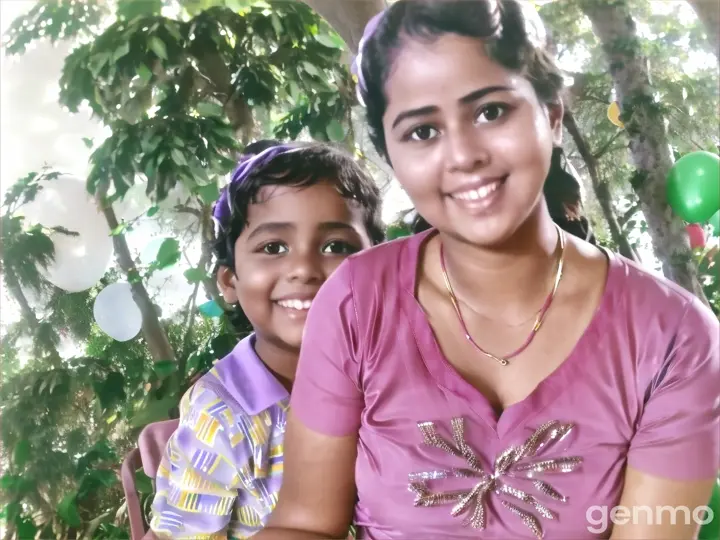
column 642, row 387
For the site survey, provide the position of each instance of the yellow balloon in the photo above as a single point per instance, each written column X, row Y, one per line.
column 613, row 114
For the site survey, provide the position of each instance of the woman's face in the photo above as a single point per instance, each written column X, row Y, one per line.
column 468, row 139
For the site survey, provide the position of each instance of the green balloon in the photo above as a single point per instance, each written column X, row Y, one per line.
column 715, row 222
column 693, row 186
column 711, row 531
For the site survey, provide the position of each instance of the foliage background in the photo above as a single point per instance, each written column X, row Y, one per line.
column 178, row 86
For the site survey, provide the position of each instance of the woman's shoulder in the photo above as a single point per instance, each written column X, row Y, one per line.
column 650, row 296
column 386, row 263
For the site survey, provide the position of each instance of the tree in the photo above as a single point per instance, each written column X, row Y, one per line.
column 644, row 115
column 176, row 93
column 709, row 13
column 180, row 95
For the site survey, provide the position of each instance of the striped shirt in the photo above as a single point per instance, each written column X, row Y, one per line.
column 222, row 468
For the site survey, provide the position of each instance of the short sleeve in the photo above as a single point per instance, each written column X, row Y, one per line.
column 678, row 436
column 326, row 395
column 197, row 482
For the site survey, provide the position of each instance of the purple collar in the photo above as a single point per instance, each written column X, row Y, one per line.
column 248, row 380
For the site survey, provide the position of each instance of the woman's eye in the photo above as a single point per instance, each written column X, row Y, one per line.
column 339, row 248
column 491, row 112
column 423, row 133
column 274, row 248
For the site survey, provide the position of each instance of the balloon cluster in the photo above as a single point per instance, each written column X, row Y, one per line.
column 81, row 259
column 693, row 193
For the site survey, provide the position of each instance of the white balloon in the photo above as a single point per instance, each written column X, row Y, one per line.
column 116, row 312
column 80, row 261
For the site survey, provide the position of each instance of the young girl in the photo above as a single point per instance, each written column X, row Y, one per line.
column 447, row 379
column 288, row 218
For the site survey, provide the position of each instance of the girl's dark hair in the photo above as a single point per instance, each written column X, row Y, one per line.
column 312, row 164
column 509, row 39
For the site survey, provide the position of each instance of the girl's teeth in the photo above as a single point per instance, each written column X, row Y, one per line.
column 477, row 194
column 296, row 304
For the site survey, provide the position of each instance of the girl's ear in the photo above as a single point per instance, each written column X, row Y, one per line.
column 556, row 111
column 226, row 282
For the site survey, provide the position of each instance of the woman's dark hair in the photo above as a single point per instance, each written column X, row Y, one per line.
column 510, row 39
column 310, row 165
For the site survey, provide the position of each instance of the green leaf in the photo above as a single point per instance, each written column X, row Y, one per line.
column 335, row 131
column 327, row 41
column 8, row 482
column 21, row 453
column 208, row 108
column 277, row 25
column 144, row 73
column 88, row 142
column 119, row 230
column 154, row 411
column 158, row 47
column 211, row 309
column 152, row 211
column 121, row 51
column 25, row 527
column 209, row 193
column 164, row 368
column 194, row 275
column 67, row 510
column 143, row 483
column 178, row 157
column 168, row 254
column 311, row 69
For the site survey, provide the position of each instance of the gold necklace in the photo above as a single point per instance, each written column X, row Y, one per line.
column 538, row 320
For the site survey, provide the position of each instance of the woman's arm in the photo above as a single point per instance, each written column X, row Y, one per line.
column 655, row 508
column 318, row 491
column 674, row 455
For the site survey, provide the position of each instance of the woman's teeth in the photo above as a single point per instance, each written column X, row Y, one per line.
column 299, row 305
column 477, row 194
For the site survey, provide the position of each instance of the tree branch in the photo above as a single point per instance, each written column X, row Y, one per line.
column 604, row 149
column 600, row 187
column 348, row 18
column 629, row 213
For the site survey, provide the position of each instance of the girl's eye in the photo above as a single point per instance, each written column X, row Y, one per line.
column 491, row 112
column 274, row 248
column 423, row 133
column 338, row 247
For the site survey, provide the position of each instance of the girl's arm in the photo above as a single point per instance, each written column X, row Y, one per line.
column 674, row 455
column 318, row 491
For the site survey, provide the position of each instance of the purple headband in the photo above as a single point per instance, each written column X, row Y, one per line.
column 356, row 68
column 222, row 211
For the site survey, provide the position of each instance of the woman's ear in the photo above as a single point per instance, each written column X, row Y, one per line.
column 556, row 111
column 226, row 283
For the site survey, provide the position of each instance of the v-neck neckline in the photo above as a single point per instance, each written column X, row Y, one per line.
column 448, row 378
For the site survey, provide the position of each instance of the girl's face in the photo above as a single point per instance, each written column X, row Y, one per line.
column 295, row 238
column 468, row 139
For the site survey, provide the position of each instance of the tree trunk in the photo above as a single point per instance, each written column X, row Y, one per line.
column 153, row 332
column 207, row 239
column 649, row 147
column 708, row 11
column 347, row 17
column 600, row 187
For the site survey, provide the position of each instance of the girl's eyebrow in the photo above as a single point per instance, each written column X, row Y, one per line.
column 279, row 226
column 270, row 227
column 469, row 98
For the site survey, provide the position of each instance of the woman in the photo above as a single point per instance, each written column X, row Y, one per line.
column 446, row 380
